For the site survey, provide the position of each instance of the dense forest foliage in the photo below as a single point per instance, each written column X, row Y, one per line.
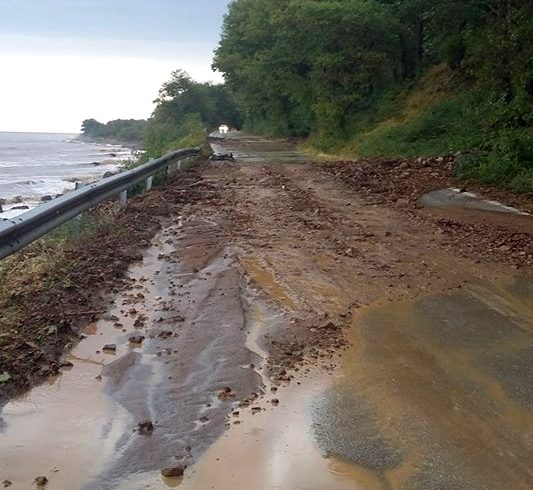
column 389, row 77
column 122, row 130
column 185, row 112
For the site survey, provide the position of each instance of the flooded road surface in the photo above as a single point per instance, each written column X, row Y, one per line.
column 434, row 394
column 180, row 333
column 435, row 391
column 254, row 149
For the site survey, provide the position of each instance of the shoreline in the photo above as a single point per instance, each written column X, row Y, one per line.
column 41, row 169
column 133, row 145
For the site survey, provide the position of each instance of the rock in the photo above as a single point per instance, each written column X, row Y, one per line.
column 7, row 483
column 96, row 164
column 225, row 394
column 110, row 348
column 41, row 481
column 66, row 365
column 145, row 428
column 403, row 201
column 1, row 210
column 20, row 207
column 3, row 201
column 139, row 323
column 274, row 401
column 46, row 198
column 173, row 472
column 137, row 339
column 326, row 326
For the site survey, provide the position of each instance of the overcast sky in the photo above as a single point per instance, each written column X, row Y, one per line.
column 63, row 61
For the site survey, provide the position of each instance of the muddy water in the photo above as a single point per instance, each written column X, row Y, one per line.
column 253, row 149
column 69, row 427
column 437, row 393
column 189, row 300
column 434, row 394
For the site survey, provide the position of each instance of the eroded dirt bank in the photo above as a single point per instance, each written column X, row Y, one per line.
column 316, row 312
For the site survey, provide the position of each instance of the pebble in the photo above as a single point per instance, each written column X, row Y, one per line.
column 173, row 472
column 41, row 481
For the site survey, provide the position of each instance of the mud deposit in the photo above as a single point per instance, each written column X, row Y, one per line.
column 297, row 326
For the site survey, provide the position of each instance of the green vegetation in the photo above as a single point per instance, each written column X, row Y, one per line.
column 186, row 111
column 121, row 130
column 389, row 78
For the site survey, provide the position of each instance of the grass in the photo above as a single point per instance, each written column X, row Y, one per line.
column 438, row 115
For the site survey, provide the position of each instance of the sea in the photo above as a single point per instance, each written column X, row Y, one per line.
column 35, row 165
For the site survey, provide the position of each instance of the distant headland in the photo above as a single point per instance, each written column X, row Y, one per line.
column 126, row 132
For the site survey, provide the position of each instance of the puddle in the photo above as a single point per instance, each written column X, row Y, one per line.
column 253, row 149
column 468, row 204
column 433, row 394
column 437, row 393
column 79, row 429
column 68, row 427
column 273, row 449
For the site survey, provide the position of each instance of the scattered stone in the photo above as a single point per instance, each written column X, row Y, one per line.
column 145, row 428
column 46, row 198
column 173, row 472
column 109, row 348
column 7, row 483
column 274, row 401
column 66, row 365
column 137, row 339
column 41, row 481
column 225, row 394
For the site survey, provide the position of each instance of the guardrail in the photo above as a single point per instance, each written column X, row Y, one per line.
column 18, row 232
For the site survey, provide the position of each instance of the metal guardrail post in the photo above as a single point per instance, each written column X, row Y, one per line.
column 149, row 183
column 123, row 197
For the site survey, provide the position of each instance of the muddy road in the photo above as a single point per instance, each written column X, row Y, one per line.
column 306, row 329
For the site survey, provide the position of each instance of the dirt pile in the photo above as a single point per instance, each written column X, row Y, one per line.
column 401, row 183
